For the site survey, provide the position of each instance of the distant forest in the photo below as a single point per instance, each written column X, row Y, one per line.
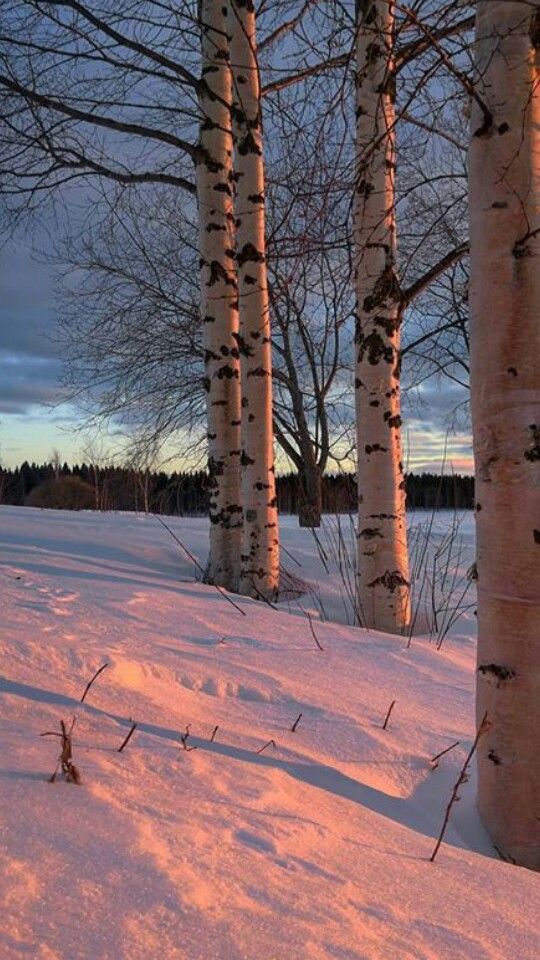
column 186, row 494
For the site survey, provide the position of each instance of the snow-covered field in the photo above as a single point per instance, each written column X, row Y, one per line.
column 316, row 848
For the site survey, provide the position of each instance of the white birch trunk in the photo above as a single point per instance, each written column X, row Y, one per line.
column 505, row 393
column 219, row 299
column 260, row 551
column 383, row 571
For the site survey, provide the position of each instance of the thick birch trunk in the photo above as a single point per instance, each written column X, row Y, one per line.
column 505, row 393
column 383, row 571
column 260, row 552
column 219, row 299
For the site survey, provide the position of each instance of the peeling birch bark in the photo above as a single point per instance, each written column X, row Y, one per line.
column 219, row 299
column 382, row 560
column 260, row 551
column 505, row 395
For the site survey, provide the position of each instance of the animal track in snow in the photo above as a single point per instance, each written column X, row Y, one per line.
column 217, row 687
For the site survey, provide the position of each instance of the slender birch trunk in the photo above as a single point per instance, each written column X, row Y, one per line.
column 505, row 394
column 219, row 299
column 383, row 571
column 260, row 551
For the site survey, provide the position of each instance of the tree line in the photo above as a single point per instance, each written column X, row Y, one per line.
column 186, row 494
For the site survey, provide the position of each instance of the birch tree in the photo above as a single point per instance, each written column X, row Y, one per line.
column 505, row 394
column 219, row 299
column 383, row 573
column 260, row 550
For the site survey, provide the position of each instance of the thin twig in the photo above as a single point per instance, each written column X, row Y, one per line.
column 270, row 743
column 89, row 684
column 261, row 596
column 442, row 753
column 65, row 760
column 194, row 560
column 128, row 738
column 184, row 738
column 214, row 731
column 290, row 555
column 483, row 728
column 386, row 719
column 311, row 627
column 296, row 722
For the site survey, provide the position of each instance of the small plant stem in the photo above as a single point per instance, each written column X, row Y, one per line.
column 90, row 682
column 128, row 738
column 313, row 634
column 387, row 718
column 296, row 722
column 446, row 750
column 483, row 728
column 270, row 743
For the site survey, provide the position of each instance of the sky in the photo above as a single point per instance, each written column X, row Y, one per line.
column 35, row 418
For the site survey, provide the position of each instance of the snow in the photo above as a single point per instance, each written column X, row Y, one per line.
column 316, row 848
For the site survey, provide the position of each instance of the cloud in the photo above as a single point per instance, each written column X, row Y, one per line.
column 28, row 355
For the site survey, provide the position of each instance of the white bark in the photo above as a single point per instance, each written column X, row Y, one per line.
column 383, row 573
column 505, row 394
column 260, row 551
column 219, row 299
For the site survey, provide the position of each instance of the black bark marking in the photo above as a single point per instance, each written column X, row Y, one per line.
column 375, row 448
column 391, row 579
column 364, row 188
column 390, row 325
column 502, row 674
column 487, row 124
column 536, row 536
column 513, row 371
column 219, row 272
column 533, row 453
column 494, row 758
column 376, row 349
column 386, row 288
column 249, row 253
column 369, row 533
column 485, row 469
column 535, row 30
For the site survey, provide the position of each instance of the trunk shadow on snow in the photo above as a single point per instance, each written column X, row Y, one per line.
column 421, row 812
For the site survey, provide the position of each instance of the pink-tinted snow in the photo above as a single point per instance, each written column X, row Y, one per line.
column 316, row 849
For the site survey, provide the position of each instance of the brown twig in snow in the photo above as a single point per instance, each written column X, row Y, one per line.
column 128, row 738
column 442, row 753
column 296, row 722
column 89, row 684
column 214, row 731
column 386, row 719
column 184, row 738
column 65, row 760
column 270, row 743
column 483, row 728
